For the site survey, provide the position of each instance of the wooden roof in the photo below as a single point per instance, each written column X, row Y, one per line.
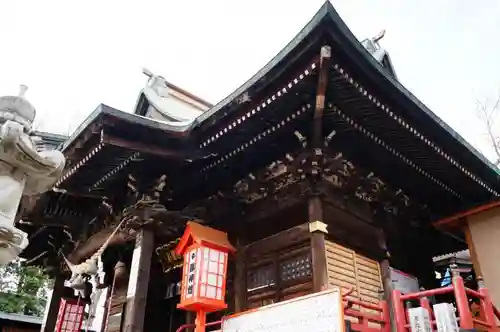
column 370, row 118
column 377, row 123
column 51, row 140
column 374, row 121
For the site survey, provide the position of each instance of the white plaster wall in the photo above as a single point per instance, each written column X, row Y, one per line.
column 485, row 232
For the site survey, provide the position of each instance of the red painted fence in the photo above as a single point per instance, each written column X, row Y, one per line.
column 461, row 294
column 378, row 319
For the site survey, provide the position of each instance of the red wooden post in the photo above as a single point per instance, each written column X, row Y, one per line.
column 363, row 321
column 399, row 311
column 464, row 312
column 487, row 305
column 386, row 315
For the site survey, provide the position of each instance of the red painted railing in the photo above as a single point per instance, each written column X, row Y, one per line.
column 192, row 326
column 379, row 317
column 461, row 294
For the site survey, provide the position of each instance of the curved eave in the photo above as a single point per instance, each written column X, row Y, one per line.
column 448, row 138
column 327, row 20
column 105, row 111
column 265, row 75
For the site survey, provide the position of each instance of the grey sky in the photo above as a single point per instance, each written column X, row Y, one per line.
column 75, row 55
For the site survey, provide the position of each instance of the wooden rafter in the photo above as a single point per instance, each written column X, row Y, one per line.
column 140, row 147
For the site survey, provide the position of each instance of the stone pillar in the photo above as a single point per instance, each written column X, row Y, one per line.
column 50, row 319
column 482, row 232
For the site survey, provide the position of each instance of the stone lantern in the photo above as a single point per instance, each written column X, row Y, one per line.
column 26, row 168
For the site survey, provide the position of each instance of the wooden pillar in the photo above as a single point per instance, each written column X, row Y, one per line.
column 472, row 251
column 318, row 248
column 385, row 273
column 190, row 317
column 107, row 305
column 138, row 282
column 240, row 279
column 49, row 323
column 316, row 226
column 119, row 278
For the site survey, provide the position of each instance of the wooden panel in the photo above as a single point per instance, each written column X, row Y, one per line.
column 349, row 269
column 278, row 267
column 288, row 238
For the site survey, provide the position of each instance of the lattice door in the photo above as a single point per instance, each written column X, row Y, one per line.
column 70, row 316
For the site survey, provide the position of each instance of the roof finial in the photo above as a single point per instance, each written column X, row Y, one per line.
column 378, row 37
column 147, row 72
column 22, row 90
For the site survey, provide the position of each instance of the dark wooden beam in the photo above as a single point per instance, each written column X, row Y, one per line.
column 278, row 241
column 89, row 247
column 138, row 282
column 75, row 151
column 285, row 198
column 140, row 147
column 324, row 69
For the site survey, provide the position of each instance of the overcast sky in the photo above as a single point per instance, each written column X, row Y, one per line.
column 74, row 55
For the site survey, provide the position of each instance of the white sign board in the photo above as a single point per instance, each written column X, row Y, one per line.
column 445, row 317
column 404, row 282
column 319, row 312
column 419, row 320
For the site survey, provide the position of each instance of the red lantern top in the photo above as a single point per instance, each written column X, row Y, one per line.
column 204, row 236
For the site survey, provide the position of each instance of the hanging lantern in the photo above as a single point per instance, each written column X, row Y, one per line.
column 70, row 315
column 204, row 274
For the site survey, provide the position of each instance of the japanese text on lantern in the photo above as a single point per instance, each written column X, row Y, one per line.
column 191, row 273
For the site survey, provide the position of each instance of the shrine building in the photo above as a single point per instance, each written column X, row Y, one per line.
column 322, row 168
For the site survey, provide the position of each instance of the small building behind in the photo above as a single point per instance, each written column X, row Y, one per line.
column 19, row 323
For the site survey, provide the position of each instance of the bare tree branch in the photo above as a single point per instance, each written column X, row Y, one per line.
column 488, row 113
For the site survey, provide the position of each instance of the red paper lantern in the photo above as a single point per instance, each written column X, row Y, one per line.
column 204, row 275
column 70, row 315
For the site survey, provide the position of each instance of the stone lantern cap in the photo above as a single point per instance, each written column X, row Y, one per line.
column 19, row 107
